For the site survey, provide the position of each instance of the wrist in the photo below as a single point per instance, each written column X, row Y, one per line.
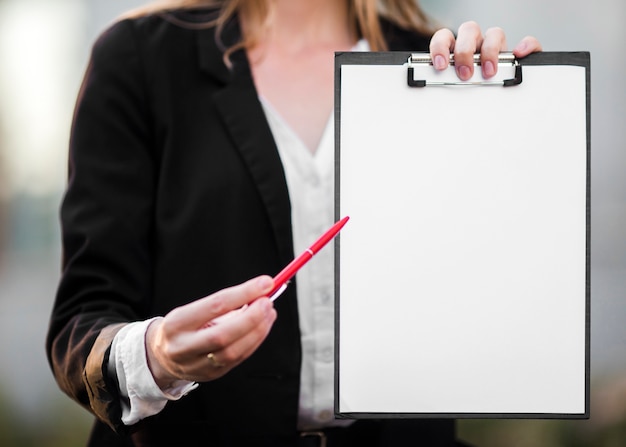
column 160, row 374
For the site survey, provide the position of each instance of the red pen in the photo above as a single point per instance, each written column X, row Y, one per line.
column 282, row 279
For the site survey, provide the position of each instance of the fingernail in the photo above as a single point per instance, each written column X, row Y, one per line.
column 489, row 69
column 264, row 282
column 439, row 62
column 521, row 47
column 464, row 72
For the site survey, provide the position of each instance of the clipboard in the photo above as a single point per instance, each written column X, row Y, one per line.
column 463, row 279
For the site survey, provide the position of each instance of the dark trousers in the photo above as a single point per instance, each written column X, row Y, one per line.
column 367, row 433
column 362, row 433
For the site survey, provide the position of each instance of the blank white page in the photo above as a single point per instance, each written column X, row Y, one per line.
column 462, row 270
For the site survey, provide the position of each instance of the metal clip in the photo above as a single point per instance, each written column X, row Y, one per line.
column 425, row 59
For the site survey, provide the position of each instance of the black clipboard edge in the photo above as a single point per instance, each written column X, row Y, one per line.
column 521, row 416
column 572, row 58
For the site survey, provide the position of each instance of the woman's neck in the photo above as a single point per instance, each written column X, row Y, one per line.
column 299, row 24
column 293, row 61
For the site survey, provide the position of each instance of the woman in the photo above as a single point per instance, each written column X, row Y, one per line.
column 199, row 164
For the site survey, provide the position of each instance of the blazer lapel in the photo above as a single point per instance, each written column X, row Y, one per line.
column 245, row 120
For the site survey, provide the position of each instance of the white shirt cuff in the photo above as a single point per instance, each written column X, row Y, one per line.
column 141, row 396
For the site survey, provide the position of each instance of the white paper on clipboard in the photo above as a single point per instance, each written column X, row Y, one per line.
column 463, row 278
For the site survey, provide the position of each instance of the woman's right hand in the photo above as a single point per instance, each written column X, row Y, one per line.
column 471, row 40
column 189, row 343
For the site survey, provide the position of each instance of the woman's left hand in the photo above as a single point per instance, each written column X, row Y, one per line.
column 471, row 40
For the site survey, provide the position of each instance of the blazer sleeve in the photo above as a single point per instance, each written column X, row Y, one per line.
column 106, row 223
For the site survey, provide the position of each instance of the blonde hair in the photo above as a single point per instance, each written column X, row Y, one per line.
column 363, row 14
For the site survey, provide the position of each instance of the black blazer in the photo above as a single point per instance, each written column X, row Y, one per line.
column 176, row 190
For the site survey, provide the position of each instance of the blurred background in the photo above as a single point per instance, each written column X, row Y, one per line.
column 44, row 47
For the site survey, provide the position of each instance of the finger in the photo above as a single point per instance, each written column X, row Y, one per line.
column 493, row 43
column 240, row 349
column 527, row 45
column 215, row 363
column 219, row 354
column 197, row 313
column 468, row 42
column 212, row 365
column 441, row 44
column 204, row 368
column 185, row 356
column 253, row 322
